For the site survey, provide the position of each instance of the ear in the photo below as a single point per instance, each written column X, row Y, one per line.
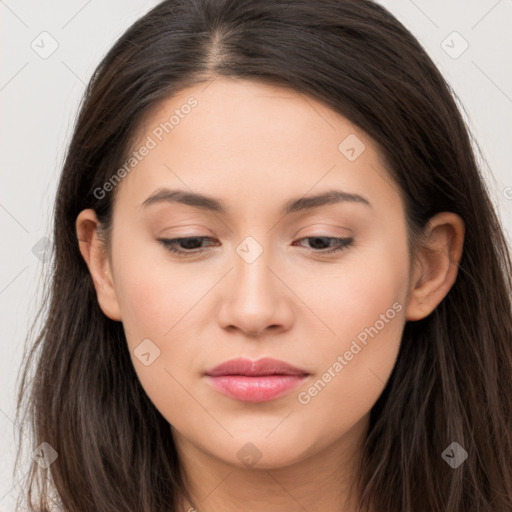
column 95, row 255
column 436, row 264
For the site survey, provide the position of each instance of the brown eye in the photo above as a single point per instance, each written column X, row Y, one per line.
column 185, row 245
column 319, row 244
column 194, row 244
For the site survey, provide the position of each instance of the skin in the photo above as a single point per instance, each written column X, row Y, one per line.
column 254, row 147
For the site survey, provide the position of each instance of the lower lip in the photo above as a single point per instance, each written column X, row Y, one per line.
column 255, row 389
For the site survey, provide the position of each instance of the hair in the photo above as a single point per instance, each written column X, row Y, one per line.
column 452, row 381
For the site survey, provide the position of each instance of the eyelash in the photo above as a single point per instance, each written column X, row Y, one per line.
column 172, row 244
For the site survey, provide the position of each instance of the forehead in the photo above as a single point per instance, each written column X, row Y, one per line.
column 251, row 142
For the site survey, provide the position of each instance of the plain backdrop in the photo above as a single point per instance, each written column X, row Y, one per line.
column 50, row 50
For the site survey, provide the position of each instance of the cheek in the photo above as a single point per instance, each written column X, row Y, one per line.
column 162, row 302
column 156, row 308
column 153, row 293
column 352, row 376
column 362, row 301
column 367, row 287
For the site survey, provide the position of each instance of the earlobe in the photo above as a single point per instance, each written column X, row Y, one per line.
column 436, row 265
column 95, row 255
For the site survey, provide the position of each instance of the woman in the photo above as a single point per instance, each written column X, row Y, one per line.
column 279, row 282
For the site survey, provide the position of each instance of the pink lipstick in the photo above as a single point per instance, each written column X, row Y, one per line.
column 255, row 381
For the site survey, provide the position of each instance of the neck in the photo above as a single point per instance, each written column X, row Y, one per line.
column 314, row 482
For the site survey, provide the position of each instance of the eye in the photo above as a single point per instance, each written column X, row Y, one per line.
column 190, row 244
column 340, row 243
column 193, row 244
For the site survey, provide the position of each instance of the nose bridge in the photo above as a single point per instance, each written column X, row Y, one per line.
column 254, row 300
column 252, row 275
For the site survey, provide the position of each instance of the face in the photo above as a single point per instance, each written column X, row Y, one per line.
column 321, row 286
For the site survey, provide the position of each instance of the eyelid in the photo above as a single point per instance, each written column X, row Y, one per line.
column 323, row 226
column 171, row 244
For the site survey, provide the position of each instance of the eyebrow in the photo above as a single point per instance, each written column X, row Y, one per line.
column 208, row 203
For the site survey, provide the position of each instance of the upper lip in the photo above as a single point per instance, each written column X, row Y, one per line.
column 265, row 366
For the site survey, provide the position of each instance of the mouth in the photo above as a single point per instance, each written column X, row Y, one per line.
column 255, row 381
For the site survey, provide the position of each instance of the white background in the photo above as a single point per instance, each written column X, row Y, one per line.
column 39, row 99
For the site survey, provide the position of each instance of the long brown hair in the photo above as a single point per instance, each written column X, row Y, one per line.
column 453, row 378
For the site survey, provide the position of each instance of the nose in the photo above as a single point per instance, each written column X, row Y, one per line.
column 255, row 299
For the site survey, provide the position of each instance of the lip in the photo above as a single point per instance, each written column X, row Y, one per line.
column 255, row 381
column 259, row 368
